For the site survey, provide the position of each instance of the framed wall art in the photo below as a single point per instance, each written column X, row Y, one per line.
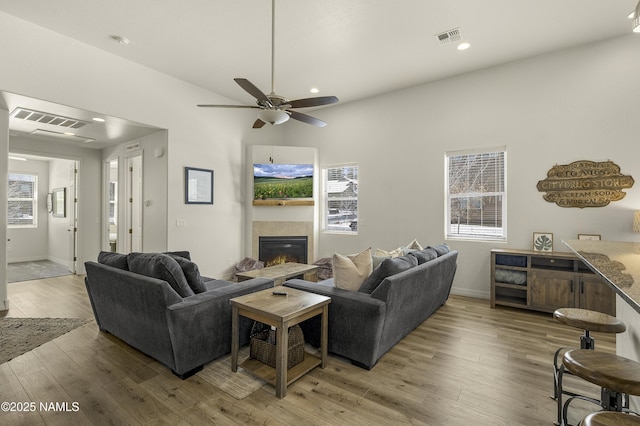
column 543, row 241
column 198, row 186
column 590, row 237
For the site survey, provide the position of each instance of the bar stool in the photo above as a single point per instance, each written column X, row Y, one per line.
column 588, row 321
column 610, row 418
column 617, row 377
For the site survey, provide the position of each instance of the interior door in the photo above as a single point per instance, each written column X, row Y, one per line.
column 72, row 207
column 134, row 204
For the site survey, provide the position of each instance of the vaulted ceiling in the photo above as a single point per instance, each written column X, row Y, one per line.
column 352, row 49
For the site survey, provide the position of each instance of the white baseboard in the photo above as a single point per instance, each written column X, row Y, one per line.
column 26, row 259
column 471, row 293
column 59, row 261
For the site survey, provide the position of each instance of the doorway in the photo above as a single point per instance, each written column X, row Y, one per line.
column 123, row 223
column 43, row 242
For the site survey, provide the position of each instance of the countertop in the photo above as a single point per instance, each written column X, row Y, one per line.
column 616, row 262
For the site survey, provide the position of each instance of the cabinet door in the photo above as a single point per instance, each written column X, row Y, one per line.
column 596, row 295
column 551, row 290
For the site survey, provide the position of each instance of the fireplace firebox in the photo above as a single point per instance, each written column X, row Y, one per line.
column 282, row 249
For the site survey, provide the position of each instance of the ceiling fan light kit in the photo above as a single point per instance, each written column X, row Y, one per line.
column 273, row 116
column 276, row 109
column 636, row 19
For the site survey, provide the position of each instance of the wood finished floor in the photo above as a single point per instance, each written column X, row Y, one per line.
column 466, row 365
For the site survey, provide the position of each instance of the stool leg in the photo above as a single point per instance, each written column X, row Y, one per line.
column 586, row 341
column 558, row 391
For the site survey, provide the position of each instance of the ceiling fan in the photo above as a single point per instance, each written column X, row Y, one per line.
column 276, row 109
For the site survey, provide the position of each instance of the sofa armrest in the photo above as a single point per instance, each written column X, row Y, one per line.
column 356, row 321
column 200, row 325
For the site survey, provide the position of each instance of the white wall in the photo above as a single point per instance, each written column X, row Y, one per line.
column 552, row 109
column 25, row 244
column 4, row 165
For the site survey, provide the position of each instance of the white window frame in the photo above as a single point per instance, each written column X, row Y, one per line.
column 33, row 200
column 476, row 232
column 325, row 200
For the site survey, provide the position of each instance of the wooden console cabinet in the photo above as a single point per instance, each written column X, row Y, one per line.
column 546, row 282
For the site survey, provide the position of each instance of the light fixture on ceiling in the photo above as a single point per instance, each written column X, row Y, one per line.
column 464, row 46
column 98, row 119
column 314, row 90
column 636, row 19
column 273, row 116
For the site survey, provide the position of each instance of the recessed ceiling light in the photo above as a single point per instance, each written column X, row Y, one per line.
column 463, row 46
column 69, row 134
column 98, row 119
column 632, row 15
column 120, row 39
column 314, row 90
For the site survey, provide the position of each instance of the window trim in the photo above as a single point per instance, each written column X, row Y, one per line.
column 34, row 201
column 325, row 198
column 447, row 203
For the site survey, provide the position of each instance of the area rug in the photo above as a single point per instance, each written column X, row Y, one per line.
column 239, row 385
column 35, row 270
column 20, row 335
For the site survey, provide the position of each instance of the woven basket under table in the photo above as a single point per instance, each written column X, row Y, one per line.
column 263, row 345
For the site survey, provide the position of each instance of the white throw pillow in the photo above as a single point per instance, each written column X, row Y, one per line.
column 393, row 253
column 350, row 271
column 414, row 245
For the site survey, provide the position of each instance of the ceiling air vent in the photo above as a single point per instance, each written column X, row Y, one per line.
column 66, row 136
column 448, row 37
column 46, row 118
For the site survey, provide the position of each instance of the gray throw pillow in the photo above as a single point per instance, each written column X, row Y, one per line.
column 425, row 255
column 115, row 260
column 441, row 249
column 191, row 273
column 387, row 268
column 182, row 253
column 163, row 267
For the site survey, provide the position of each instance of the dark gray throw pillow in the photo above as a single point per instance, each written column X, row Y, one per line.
column 182, row 253
column 424, row 256
column 163, row 267
column 441, row 249
column 387, row 268
column 115, row 260
column 191, row 273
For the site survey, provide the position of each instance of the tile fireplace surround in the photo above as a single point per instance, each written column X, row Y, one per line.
column 282, row 229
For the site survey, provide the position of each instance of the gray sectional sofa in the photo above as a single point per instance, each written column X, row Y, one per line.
column 159, row 304
column 398, row 296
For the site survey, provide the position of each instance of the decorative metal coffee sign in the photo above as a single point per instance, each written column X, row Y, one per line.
column 585, row 184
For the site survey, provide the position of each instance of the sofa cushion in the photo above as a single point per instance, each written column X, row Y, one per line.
column 424, row 255
column 349, row 272
column 441, row 249
column 115, row 260
column 393, row 253
column 191, row 273
column 387, row 268
column 181, row 253
column 163, row 267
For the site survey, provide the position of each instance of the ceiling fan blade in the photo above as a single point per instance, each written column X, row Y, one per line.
column 258, row 124
column 250, row 88
column 306, row 118
column 311, row 102
column 227, row 106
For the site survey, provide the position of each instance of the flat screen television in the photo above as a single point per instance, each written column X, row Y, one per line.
column 282, row 181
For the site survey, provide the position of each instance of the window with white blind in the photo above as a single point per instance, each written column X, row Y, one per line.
column 476, row 196
column 340, row 198
column 22, row 200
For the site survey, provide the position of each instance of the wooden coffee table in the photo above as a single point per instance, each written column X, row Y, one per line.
column 281, row 273
column 280, row 312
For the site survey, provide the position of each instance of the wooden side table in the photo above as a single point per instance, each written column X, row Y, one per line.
column 280, row 312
